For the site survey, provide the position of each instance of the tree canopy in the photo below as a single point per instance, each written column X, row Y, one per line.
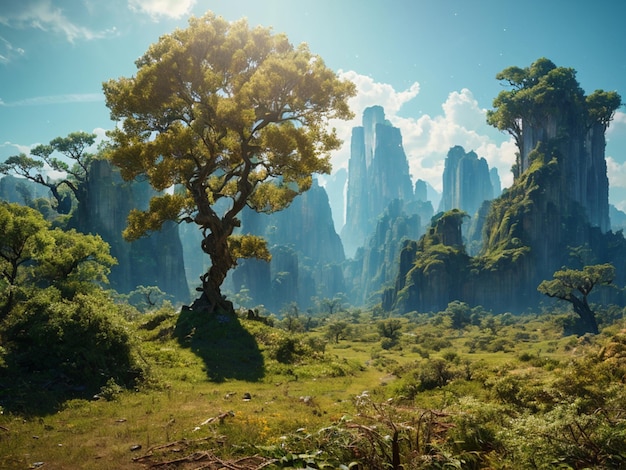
column 574, row 286
column 231, row 117
column 35, row 256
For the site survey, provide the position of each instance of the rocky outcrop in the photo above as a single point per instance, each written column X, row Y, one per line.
column 466, row 181
column 21, row 190
column 375, row 265
column 378, row 172
column 496, row 184
column 618, row 218
column 307, row 254
column 156, row 260
column 557, row 206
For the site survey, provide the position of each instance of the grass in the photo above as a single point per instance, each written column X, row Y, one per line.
column 217, row 386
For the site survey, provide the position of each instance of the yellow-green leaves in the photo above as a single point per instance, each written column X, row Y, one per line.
column 162, row 208
column 248, row 246
column 569, row 282
column 231, row 114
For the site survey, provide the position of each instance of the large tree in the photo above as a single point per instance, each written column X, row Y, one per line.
column 230, row 116
column 37, row 166
column 574, row 286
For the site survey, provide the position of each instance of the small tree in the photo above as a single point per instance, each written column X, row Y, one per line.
column 338, row 330
column 391, row 328
column 234, row 117
column 574, row 286
column 74, row 147
column 34, row 256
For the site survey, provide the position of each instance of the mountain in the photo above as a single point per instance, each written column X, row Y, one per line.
column 378, row 172
column 466, row 181
column 375, row 265
column 156, row 260
column 554, row 215
column 307, row 254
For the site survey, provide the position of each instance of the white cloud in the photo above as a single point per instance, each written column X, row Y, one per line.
column 55, row 99
column 162, row 8
column 427, row 139
column 20, row 148
column 616, row 172
column 43, row 15
column 8, row 52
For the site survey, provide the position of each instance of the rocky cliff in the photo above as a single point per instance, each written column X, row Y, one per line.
column 21, row 190
column 375, row 265
column 557, row 205
column 306, row 252
column 156, row 260
column 378, row 172
column 466, row 181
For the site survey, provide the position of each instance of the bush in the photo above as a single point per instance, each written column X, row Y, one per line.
column 78, row 345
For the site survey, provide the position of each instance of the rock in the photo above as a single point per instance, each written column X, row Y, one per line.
column 156, row 260
column 306, row 254
column 378, row 172
column 466, row 181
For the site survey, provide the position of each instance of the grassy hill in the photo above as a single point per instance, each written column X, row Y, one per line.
column 460, row 389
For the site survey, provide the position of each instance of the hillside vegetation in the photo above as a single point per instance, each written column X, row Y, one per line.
column 458, row 389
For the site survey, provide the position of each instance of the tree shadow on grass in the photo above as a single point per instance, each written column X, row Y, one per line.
column 228, row 350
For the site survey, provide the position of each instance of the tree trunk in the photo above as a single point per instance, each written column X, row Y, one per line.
column 211, row 299
column 587, row 316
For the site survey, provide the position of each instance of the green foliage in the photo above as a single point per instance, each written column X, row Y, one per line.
column 75, row 347
column 541, row 91
column 229, row 114
column 391, row 328
column 73, row 147
column 32, row 256
column 337, row 330
column 574, row 286
column 148, row 298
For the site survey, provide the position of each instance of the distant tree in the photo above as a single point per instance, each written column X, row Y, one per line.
column 574, row 286
column 337, row 330
column 74, row 147
column 235, row 117
column 146, row 298
column 457, row 314
column 390, row 328
column 330, row 306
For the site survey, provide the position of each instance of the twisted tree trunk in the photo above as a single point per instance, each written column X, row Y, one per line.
column 215, row 244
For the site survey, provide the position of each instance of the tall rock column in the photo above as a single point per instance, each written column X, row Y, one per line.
column 466, row 181
column 378, row 173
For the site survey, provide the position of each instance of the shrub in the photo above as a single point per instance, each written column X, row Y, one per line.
column 79, row 345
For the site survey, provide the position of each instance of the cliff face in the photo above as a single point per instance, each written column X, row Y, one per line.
column 156, row 260
column 581, row 149
column 21, row 190
column 306, row 252
column 378, row 173
column 376, row 264
column 466, row 181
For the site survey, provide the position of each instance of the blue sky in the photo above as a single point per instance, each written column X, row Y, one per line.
column 430, row 64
